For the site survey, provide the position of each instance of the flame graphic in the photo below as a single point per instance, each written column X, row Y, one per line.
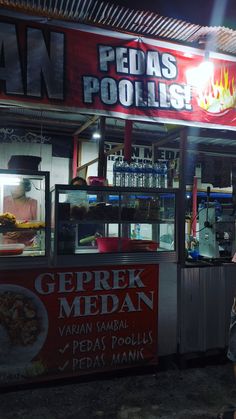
column 219, row 95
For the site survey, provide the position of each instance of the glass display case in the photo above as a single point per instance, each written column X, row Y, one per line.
column 112, row 220
column 24, row 214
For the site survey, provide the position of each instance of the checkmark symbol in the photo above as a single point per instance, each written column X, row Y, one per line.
column 63, row 366
column 62, row 350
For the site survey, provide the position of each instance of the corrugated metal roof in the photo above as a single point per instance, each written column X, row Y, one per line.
column 140, row 22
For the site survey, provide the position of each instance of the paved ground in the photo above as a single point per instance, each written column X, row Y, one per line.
column 180, row 394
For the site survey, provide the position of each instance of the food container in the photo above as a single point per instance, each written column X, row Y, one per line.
column 143, row 245
column 97, row 180
column 11, row 249
column 142, row 208
column 154, row 209
column 66, row 238
column 128, row 213
column 63, row 211
column 78, row 212
column 112, row 244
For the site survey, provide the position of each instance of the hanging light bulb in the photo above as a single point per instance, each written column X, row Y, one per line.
column 199, row 76
column 96, row 135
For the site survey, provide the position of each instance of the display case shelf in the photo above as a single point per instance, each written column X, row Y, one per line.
column 9, row 229
column 162, row 221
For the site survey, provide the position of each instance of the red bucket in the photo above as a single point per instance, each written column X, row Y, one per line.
column 113, row 244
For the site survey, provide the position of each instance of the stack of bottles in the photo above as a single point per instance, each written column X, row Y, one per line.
column 140, row 175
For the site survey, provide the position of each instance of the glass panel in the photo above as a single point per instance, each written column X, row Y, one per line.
column 166, row 160
column 210, row 208
column 167, row 221
column 140, row 207
column 91, row 220
column 22, row 214
column 83, row 216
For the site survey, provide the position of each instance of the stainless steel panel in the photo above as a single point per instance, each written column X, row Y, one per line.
column 201, row 309
column 167, row 311
column 188, row 310
column 230, row 292
column 213, row 295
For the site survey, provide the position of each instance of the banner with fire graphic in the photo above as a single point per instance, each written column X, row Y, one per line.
column 90, row 70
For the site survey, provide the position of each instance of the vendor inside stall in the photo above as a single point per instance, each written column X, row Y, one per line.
column 23, row 208
column 17, row 203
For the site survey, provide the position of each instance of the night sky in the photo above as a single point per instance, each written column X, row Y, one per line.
column 203, row 12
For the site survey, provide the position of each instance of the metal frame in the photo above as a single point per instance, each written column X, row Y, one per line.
column 99, row 259
column 17, row 262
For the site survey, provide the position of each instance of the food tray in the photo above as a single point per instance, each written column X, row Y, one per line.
column 11, row 249
column 143, row 245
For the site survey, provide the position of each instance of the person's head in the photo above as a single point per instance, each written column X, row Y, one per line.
column 78, row 181
column 18, row 191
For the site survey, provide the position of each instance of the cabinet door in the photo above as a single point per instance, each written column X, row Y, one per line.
column 82, row 216
column 167, row 221
column 23, row 210
column 149, row 216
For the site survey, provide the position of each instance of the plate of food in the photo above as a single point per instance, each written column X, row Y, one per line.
column 11, row 249
column 30, row 224
column 23, row 325
column 7, row 219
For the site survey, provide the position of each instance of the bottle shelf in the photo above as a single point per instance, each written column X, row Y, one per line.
column 140, row 175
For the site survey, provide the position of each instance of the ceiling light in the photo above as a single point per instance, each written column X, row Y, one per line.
column 9, row 180
column 96, row 135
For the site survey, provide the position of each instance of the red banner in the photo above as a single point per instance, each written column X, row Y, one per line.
column 72, row 322
column 97, row 71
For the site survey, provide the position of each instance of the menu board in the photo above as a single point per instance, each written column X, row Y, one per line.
column 73, row 322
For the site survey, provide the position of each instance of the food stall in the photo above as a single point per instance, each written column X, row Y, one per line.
column 94, row 307
column 104, row 286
